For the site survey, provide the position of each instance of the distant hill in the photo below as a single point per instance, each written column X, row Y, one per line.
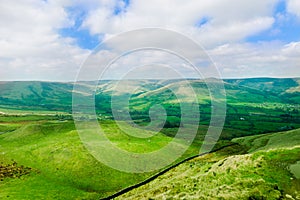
column 263, row 165
column 259, row 104
column 36, row 95
column 57, row 96
column 288, row 88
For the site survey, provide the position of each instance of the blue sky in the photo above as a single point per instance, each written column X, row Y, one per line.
column 286, row 30
column 82, row 36
column 49, row 40
column 84, row 39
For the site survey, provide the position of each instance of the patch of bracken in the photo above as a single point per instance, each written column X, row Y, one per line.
column 13, row 170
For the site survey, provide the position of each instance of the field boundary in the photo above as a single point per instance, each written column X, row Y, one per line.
column 151, row 178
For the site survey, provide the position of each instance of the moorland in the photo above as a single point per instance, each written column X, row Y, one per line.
column 42, row 156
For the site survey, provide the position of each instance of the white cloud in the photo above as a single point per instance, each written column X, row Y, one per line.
column 228, row 20
column 30, row 45
column 274, row 59
column 229, row 23
column 293, row 6
column 235, row 31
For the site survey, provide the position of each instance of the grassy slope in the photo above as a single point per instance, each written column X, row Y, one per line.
column 275, row 85
column 263, row 103
column 62, row 163
column 62, row 167
column 286, row 88
column 289, row 139
column 65, row 170
column 230, row 174
column 47, row 94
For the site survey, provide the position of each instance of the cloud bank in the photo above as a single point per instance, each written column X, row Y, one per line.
column 49, row 40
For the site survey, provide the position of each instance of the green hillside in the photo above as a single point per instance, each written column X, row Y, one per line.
column 255, row 106
column 51, row 163
column 36, row 95
column 275, row 85
column 270, row 171
column 58, row 166
column 279, row 140
column 61, row 167
column 42, row 154
column 286, row 88
column 55, row 96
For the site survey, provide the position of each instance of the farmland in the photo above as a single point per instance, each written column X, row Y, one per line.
column 40, row 144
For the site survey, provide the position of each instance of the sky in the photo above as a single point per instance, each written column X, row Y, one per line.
column 51, row 39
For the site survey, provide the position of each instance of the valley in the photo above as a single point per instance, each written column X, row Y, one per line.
column 38, row 132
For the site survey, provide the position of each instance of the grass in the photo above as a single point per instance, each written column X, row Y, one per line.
column 62, row 167
column 147, row 141
column 36, row 134
column 231, row 174
column 271, row 141
column 8, row 127
column 295, row 169
column 11, row 111
column 55, row 151
column 61, row 163
column 36, row 186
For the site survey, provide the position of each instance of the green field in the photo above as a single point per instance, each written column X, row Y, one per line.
column 42, row 156
column 270, row 171
column 61, row 166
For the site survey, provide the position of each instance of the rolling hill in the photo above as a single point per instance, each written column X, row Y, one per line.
column 55, row 96
column 252, row 104
column 258, row 167
column 286, row 88
column 42, row 154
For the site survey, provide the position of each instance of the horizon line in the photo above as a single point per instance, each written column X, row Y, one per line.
column 74, row 81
